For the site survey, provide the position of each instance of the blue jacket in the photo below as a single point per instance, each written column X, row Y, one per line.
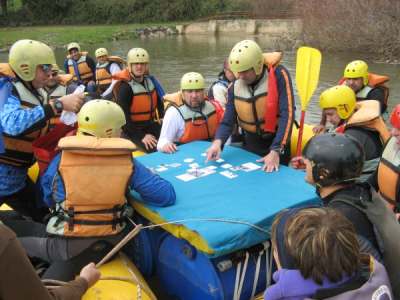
column 153, row 189
column 14, row 121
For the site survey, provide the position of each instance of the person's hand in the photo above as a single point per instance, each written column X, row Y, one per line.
column 72, row 102
column 90, row 274
column 297, row 163
column 149, row 141
column 318, row 129
column 169, row 148
column 214, row 152
column 271, row 161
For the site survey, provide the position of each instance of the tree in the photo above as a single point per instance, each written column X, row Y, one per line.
column 3, row 4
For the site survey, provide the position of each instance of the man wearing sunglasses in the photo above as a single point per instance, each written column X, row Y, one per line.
column 56, row 87
column 189, row 117
column 24, row 118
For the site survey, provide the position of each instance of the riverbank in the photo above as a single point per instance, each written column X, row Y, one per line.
column 59, row 36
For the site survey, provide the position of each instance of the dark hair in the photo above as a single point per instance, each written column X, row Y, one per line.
column 322, row 243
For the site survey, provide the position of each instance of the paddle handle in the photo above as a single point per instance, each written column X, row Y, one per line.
column 300, row 136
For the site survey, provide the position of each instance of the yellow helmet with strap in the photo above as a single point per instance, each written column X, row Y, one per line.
column 357, row 69
column 100, row 118
column 73, row 46
column 246, row 55
column 192, row 81
column 138, row 55
column 340, row 97
column 26, row 55
column 101, row 52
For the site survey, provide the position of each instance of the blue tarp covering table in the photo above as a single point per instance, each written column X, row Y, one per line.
column 252, row 197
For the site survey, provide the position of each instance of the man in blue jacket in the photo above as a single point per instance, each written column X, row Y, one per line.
column 87, row 185
column 261, row 101
column 24, row 118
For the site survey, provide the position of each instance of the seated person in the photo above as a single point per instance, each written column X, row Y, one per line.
column 366, row 86
column 106, row 67
column 86, row 186
column 81, row 66
column 218, row 90
column 318, row 257
column 386, row 178
column 140, row 97
column 56, row 87
column 189, row 116
column 360, row 120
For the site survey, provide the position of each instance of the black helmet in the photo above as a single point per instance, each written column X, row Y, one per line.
column 335, row 158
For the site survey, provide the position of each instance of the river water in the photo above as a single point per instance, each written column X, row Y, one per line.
column 172, row 56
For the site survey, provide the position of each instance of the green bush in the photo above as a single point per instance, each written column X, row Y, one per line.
column 44, row 12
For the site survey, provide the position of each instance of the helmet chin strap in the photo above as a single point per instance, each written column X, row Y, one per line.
column 136, row 78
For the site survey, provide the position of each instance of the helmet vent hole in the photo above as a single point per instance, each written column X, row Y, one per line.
column 87, row 119
column 237, row 62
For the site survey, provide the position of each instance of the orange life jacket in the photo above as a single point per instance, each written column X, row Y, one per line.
column 389, row 175
column 374, row 81
column 85, row 72
column 199, row 125
column 254, row 108
column 144, row 101
column 367, row 115
column 96, row 174
column 103, row 74
column 19, row 151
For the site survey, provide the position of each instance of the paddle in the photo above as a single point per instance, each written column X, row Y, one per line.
column 307, row 74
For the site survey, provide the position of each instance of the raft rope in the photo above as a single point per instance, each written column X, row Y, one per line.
column 206, row 220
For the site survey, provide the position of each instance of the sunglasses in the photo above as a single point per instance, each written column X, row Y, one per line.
column 46, row 68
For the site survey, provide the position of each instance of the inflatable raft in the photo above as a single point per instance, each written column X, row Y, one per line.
column 120, row 280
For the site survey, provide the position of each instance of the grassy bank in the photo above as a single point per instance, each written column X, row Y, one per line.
column 59, row 36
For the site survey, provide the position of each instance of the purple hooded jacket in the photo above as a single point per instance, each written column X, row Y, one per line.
column 291, row 285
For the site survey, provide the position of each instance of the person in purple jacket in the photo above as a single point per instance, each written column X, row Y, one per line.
column 318, row 257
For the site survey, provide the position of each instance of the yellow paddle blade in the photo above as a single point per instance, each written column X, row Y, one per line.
column 308, row 65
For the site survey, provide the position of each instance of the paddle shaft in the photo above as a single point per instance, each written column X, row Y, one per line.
column 300, row 136
column 122, row 243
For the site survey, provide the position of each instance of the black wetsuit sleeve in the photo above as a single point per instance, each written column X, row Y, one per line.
column 125, row 96
column 378, row 94
column 361, row 224
column 369, row 139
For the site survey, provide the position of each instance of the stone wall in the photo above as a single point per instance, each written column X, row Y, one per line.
column 250, row 26
column 282, row 33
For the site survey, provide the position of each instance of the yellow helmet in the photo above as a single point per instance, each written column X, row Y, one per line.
column 26, row 55
column 100, row 118
column 101, row 52
column 137, row 55
column 192, row 81
column 357, row 69
column 73, row 46
column 340, row 97
column 246, row 55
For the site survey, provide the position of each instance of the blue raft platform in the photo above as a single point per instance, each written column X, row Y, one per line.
column 218, row 248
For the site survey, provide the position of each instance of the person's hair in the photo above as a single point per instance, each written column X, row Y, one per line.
column 322, row 243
